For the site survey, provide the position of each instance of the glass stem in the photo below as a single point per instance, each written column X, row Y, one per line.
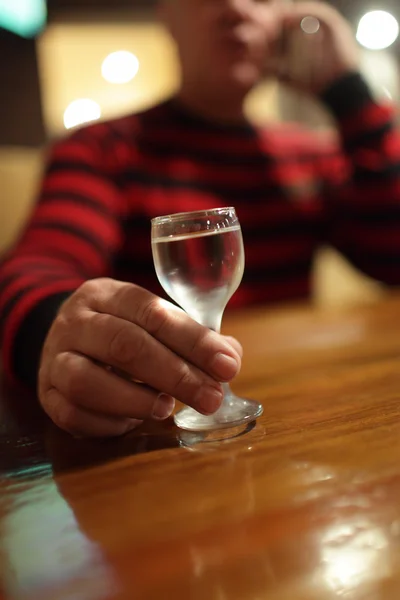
column 215, row 325
column 226, row 388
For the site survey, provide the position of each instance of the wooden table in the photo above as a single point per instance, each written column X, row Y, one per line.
column 305, row 505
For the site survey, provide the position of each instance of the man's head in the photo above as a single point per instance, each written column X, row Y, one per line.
column 223, row 44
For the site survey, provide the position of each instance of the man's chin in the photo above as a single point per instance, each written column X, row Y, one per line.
column 245, row 75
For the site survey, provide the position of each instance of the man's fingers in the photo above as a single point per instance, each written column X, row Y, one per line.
column 93, row 388
column 171, row 326
column 126, row 346
column 132, row 330
column 80, row 422
column 298, row 11
column 162, row 353
column 235, row 344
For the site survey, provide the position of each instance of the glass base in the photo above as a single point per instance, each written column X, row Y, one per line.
column 192, row 440
column 234, row 411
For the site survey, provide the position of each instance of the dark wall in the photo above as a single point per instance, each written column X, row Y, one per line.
column 21, row 117
column 98, row 4
column 96, row 7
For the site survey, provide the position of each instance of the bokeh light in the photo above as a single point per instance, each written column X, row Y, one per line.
column 120, row 67
column 377, row 30
column 23, row 17
column 81, row 111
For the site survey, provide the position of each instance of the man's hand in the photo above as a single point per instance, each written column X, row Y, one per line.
column 117, row 355
column 316, row 48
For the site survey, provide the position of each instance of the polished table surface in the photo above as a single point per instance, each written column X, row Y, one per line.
column 305, row 505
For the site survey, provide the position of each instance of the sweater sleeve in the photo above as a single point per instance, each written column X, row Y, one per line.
column 362, row 180
column 72, row 235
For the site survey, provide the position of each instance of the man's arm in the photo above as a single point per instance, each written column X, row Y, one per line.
column 72, row 235
column 363, row 181
column 362, row 173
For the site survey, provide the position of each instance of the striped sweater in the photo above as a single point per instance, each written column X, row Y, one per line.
column 293, row 191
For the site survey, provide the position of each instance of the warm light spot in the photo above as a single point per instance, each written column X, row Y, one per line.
column 120, row 67
column 81, row 111
column 310, row 25
column 387, row 93
column 352, row 553
column 377, row 30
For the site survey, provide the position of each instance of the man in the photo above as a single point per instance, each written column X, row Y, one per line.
column 114, row 353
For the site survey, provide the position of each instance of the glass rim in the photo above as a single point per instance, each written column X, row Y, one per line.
column 193, row 214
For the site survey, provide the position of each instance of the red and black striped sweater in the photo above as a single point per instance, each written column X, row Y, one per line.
column 293, row 190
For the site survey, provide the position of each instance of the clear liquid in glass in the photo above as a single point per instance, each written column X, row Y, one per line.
column 201, row 271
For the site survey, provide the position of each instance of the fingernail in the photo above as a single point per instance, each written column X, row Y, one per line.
column 225, row 367
column 208, row 400
column 163, row 407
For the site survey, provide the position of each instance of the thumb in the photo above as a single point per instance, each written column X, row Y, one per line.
column 235, row 344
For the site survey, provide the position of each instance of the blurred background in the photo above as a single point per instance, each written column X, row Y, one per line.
column 66, row 62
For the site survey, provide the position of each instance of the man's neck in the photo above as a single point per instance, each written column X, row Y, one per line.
column 224, row 110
